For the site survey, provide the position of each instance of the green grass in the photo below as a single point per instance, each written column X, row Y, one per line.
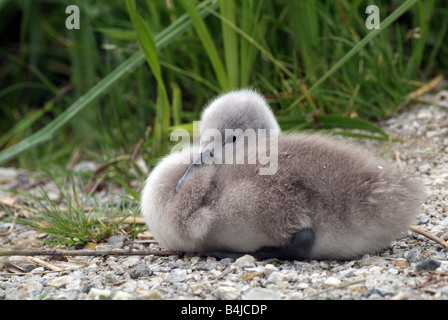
column 77, row 217
column 113, row 90
column 312, row 56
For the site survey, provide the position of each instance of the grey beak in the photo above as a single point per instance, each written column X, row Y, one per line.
column 202, row 158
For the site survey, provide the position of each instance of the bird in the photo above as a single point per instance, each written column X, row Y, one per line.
column 325, row 198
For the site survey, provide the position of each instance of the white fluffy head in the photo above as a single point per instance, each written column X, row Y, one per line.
column 242, row 109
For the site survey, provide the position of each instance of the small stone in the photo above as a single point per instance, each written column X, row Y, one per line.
column 28, row 267
column 375, row 269
column 8, row 174
column 115, row 267
column 226, row 293
column 444, row 222
column 60, row 281
column 103, row 247
column 140, row 271
column 444, row 290
column 276, row 277
column 129, row 286
column 150, row 295
column 116, row 242
column 195, row 259
column 120, row 295
column 176, row 275
column 400, row 296
column 31, row 287
column 402, row 263
column 131, row 262
column 393, row 271
column 268, row 269
column 414, row 257
column 374, row 292
column 442, row 99
column 87, row 288
column 424, row 113
column 374, row 260
column 391, row 121
column 302, row 285
column 249, row 276
column 261, row 294
column 99, row 294
column 111, row 277
column 428, row 265
column 332, row 281
column 227, row 261
column 348, row 273
column 246, row 261
column 85, row 166
column 375, row 297
column 295, row 296
column 20, row 262
column 424, row 168
column 423, row 219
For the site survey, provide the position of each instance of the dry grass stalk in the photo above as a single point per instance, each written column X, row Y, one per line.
column 428, row 235
column 71, row 253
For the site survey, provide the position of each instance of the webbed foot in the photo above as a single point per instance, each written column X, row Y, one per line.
column 301, row 243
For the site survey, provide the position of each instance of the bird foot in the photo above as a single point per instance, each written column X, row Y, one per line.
column 301, row 243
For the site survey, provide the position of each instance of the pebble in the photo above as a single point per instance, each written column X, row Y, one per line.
column 85, row 166
column 276, row 277
column 246, row 261
column 428, row 265
column 131, row 262
column 414, row 257
column 99, row 294
column 140, row 271
column 268, row 269
column 226, row 293
column 367, row 260
column 423, row 219
column 61, row 281
column 121, row 295
column 444, row 222
column 261, row 294
column 302, row 285
column 424, row 168
column 176, row 275
column 333, row 281
column 150, row 295
column 348, row 273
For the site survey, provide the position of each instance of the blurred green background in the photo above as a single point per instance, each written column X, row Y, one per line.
column 91, row 92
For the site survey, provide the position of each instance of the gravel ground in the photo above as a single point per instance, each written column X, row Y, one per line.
column 413, row 267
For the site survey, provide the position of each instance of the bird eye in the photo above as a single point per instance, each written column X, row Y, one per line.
column 234, row 139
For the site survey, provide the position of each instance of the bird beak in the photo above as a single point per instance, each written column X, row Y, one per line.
column 203, row 158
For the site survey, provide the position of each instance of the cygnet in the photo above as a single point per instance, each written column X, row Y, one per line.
column 325, row 198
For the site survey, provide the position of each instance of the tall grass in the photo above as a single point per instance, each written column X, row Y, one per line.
column 90, row 89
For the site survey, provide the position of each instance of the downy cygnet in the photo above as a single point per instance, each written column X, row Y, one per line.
column 325, row 198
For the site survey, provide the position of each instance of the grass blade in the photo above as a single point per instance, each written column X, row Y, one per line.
column 389, row 20
column 251, row 25
column 149, row 49
column 208, row 43
column 227, row 8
